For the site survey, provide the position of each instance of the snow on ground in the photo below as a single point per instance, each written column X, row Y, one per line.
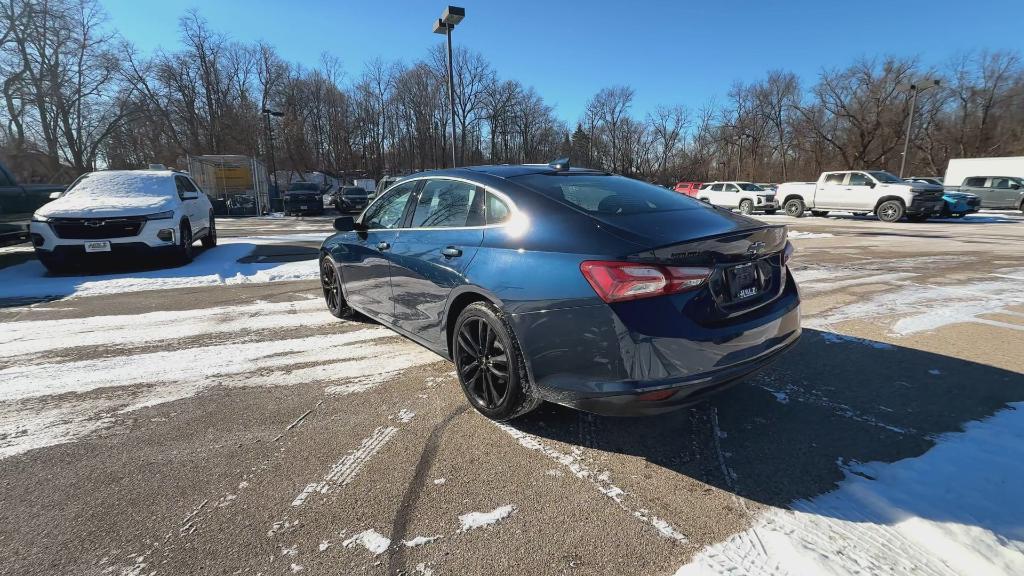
column 47, row 400
column 212, row 267
column 471, row 520
column 371, row 540
column 956, row 509
column 420, row 541
column 794, row 234
column 923, row 307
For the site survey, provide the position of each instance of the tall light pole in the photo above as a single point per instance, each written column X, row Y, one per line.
column 267, row 113
column 914, row 90
column 451, row 16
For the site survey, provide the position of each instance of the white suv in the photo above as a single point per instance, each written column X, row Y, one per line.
column 745, row 196
column 121, row 213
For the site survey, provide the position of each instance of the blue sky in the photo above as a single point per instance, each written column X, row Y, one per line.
column 672, row 52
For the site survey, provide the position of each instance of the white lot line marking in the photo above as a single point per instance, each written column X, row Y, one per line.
column 37, row 336
column 371, row 540
column 601, row 482
column 345, row 470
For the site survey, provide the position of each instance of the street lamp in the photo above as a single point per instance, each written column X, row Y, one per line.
column 914, row 88
column 451, row 16
column 267, row 113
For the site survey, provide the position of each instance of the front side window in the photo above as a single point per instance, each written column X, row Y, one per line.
column 751, row 187
column 1001, row 183
column 731, row 188
column 859, row 179
column 183, row 185
column 448, row 204
column 388, row 212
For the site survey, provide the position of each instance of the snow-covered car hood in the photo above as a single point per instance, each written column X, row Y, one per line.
column 108, row 194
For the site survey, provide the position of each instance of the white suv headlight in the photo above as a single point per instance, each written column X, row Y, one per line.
column 161, row 215
column 38, row 218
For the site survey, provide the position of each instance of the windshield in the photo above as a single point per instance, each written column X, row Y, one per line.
column 750, row 187
column 607, row 195
column 353, row 192
column 885, row 177
column 122, row 184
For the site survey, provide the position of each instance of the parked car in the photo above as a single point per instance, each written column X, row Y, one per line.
column 955, row 204
column 745, row 196
column 303, row 198
column 861, row 192
column 350, row 199
column 927, row 180
column 18, row 202
column 366, row 184
column 688, row 188
column 569, row 285
column 123, row 212
column 997, row 192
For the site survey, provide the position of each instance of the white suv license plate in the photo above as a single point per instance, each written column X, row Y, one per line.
column 103, row 246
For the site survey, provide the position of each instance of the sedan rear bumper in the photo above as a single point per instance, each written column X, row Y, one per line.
column 651, row 357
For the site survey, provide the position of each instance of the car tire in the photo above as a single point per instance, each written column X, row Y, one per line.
column 1021, row 206
column 210, row 240
column 890, row 211
column 795, row 208
column 819, row 213
column 482, row 335
column 944, row 212
column 334, row 296
column 185, row 251
column 746, row 207
column 770, row 212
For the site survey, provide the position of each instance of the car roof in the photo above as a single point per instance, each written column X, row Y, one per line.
column 511, row 170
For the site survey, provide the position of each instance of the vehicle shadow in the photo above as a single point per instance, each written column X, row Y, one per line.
column 791, row 432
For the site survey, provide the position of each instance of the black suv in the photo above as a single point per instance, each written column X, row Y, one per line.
column 303, row 198
column 350, row 199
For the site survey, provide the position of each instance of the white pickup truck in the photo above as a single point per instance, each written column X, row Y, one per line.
column 861, row 192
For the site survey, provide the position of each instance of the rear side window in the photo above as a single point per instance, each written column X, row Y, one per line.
column 497, row 211
column 607, row 195
column 448, row 204
column 717, row 187
column 979, row 182
column 836, row 178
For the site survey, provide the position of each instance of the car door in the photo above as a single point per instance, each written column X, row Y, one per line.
column 430, row 259
column 1004, row 195
column 714, row 194
column 365, row 258
column 831, row 192
column 730, row 195
column 858, row 193
column 189, row 196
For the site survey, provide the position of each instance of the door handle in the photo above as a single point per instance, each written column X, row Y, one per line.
column 451, row 252
column 382, row 246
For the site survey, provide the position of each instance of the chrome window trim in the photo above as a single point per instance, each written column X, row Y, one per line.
column 513, row 209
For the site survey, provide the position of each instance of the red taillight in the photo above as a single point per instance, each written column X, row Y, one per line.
column 619, row 281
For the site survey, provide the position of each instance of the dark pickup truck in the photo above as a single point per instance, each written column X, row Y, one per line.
column 18, row 203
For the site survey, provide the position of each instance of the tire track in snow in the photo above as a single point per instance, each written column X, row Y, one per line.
column 342, row 472
column 601, row 482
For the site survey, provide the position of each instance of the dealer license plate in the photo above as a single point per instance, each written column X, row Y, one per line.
column 102, row 246
column 743, row 281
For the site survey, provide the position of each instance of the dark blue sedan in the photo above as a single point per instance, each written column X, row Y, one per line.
column 574, row 286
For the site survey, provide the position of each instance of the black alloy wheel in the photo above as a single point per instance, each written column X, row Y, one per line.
column 185, row 250
column 489, row 365
column 210, row 240
column 331, row 285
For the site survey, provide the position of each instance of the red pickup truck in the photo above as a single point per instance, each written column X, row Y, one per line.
column 688, row 188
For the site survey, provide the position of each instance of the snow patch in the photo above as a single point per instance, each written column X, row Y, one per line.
column 833, row 338
column 420, row 541
column 405, row 415
column 345, row 470
column 371, row 540
column 954, row 510
column 472, row 520
column 796, row 234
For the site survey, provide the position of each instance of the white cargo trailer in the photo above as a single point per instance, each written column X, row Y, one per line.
column 960, row 169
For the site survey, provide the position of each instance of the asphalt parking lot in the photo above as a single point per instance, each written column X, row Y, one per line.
column 215, row 418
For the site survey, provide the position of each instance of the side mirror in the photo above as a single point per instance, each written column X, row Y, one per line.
column 344, row 224
column 871, row 183
column 190, row 195
column 1015, row 186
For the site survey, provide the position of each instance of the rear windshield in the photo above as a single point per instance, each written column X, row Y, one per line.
column 607, row 195
column 304, row 187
